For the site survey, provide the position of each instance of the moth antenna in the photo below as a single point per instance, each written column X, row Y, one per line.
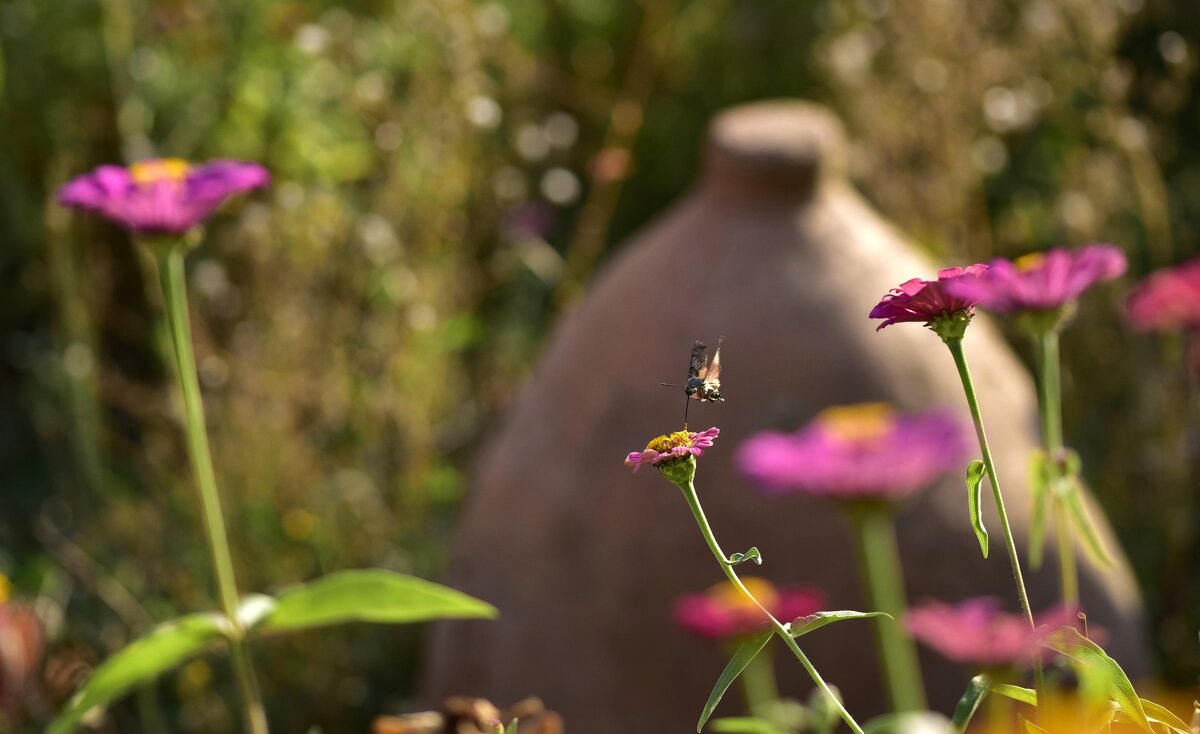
column 670, row 384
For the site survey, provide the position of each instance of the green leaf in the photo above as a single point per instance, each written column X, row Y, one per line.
column 1030, row 727
column 1016, row 693
column 369, row 595
column 824, row 716
column 975, row 471
column 750, row 555
column 976, row 691
column 804, row 625
column 1072, row 464
column 746, row 725
column 1074, row 501
column 744, row 656
column 1039, row 483
column 158, row 651
column 512, row 727
column 1091, row 659
column 1159, row 714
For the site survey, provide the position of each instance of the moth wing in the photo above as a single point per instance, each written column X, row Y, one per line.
column 712, row 375
column 698, row 367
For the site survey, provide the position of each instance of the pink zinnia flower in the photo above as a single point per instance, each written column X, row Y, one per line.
column 1042, row 281
column 1168, row 299
column 678, row 445
column 976, row 632
column 162, row 196
column 924, row 301
column 724, row 611
column 857, row 452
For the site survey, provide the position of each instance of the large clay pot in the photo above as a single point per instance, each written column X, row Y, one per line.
column 774, row 250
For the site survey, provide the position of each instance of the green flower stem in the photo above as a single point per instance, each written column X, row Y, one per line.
column 1050, row 408
column 1051, row 391
column 174, row 288
column 1068, row 571
column 879, row 557
column 758, row 684
column 689, row 493
column 964, row 373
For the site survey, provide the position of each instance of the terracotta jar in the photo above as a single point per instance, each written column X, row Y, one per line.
column 774, row 250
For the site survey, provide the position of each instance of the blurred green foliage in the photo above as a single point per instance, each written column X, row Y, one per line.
column 446, row 174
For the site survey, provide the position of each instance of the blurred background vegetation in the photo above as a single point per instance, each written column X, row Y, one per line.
column 448, row 174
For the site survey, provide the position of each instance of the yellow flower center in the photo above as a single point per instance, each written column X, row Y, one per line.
column 1032, row 261
column 5, row 588
column 860, row 422
column 159, row 169
column 663, row 444
column 732, row 598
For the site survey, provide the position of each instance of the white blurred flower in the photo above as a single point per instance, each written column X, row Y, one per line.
column 532, row 143
column 484, row 112
column 312, row 39
column 560, row 186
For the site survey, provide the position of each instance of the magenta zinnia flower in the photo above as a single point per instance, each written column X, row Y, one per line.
column 162, row 196
column 1042, row 281
column 1168, row 299
column 976, row 632
column 678, row 445
column 924, row 301
column 724, row 611
column 857, row 452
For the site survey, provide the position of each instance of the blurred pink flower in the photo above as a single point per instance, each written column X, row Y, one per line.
column 857, row 452
column 678, row 445
column 923, row 301
column 21, row 647
column 161, row 196
column 1168, row 299
column 1041, row 281
column 724, row 611
column 977, row 633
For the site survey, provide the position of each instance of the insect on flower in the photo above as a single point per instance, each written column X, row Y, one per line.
column 704, row 378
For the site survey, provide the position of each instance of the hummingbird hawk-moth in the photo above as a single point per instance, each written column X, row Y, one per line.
column 704, row 377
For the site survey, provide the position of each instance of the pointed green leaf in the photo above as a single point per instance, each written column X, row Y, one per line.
column 1030, row 727
column 1159, row 714
column 1090, row 658
column 512, row 727
column 369, row 595
column 975, row 471
column 817, row 620
column 158, row 651
column 976, row 691
column 1074, row 501
column 1038, row 486
column 744, row 656
column 1016, row 693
